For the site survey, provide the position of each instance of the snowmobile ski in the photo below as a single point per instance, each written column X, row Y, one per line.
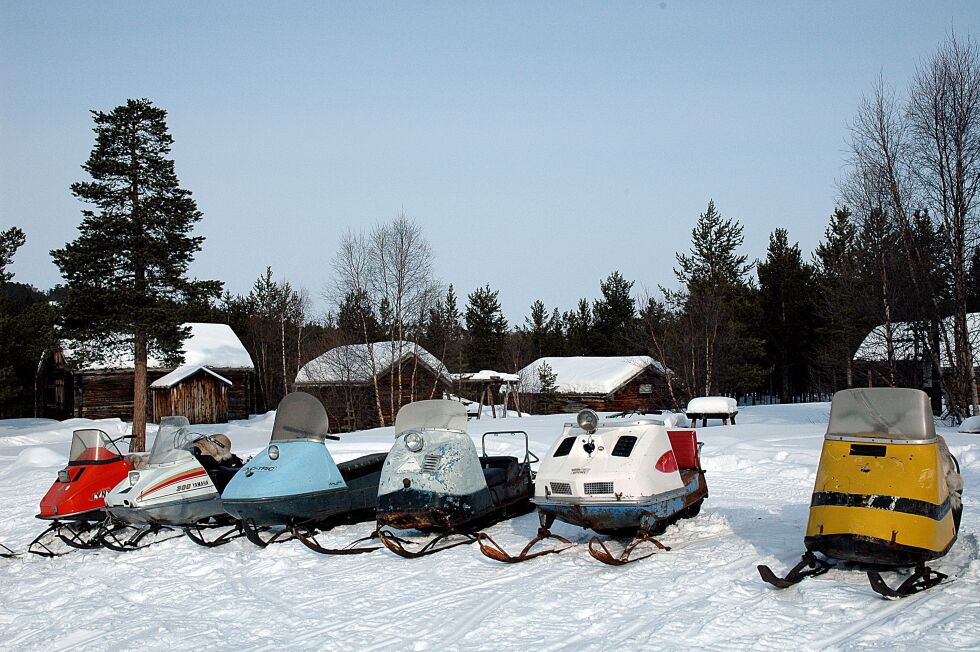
column 810, row 566
column 397, row 544
column 921, row 579
column 307, row 537
column 599, row 550
column 493, row 550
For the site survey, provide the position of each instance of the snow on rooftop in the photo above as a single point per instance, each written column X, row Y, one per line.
column 352, row 363
column 185, row 371
column 589, row 375
column 488, row 375
column 214, row 345
column 908, row 339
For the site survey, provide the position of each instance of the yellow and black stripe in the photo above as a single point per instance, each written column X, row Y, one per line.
column 880, row 503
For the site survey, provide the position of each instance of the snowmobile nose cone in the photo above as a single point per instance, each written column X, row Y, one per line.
column 406, row 483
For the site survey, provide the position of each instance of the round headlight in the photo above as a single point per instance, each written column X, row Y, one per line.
column 414, row 442
column 588, row 420
column 273, row 452
column 134, row 477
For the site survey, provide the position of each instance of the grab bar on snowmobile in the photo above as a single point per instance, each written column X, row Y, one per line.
column 527, row 445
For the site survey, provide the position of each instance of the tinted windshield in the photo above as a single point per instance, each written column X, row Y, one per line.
column 174, row 434
column 300, row 416
column 439, row 414
column 882, row 411
column 92, row 446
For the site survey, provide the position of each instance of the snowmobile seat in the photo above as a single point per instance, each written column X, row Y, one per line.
column 498, row 469
column 685, row 445
column 221, row 472
column 362, row 466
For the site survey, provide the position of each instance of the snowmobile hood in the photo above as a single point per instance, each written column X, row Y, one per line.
column 299, row 467
column 444, row 462
column 623, row 461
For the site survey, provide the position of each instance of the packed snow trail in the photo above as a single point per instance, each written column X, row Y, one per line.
column 703, row 594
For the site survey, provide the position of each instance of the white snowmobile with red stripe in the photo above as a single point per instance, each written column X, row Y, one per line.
column 179, row 487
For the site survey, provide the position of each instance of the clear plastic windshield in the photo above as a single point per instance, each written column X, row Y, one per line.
column 882, row 411
column 173, row 435
column 438, row 414
column 300, row 416
column 92, row 446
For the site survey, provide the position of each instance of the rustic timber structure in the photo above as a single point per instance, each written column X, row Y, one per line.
column 605, row 384
column 105, row 389
column 354, row 381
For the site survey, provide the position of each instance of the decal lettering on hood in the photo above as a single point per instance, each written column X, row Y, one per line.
column 410, row 465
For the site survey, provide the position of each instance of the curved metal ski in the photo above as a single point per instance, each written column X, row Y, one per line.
column 493, row 550
column 599, row 550
column 923, row 578
column 810, row 566
column 308, row 539
column 394, row 544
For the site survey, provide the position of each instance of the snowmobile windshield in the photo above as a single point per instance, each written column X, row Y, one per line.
column 300, row 416
column 89, row 446
column 173, row 437
column 438, row 414
column 890, row 412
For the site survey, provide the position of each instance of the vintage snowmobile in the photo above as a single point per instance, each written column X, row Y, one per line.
column 435, row 482
column 178, row 488
column 634, row 475
column 294, row 484
column 887, row 494
column 75, row 503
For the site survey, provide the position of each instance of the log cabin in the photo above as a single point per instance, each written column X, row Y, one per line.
column 342, row 380
column 104, row 389
column 604, row 384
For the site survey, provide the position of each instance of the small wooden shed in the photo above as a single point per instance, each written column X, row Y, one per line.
column 605, row 384
column 193, row 391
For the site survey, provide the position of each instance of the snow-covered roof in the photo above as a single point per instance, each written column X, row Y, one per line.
column 487, row 375
column 908, row 339
column 589, row 375
column 214, row 345
column 182, row 372
column 352, row 363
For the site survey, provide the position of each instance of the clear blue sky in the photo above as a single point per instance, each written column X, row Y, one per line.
column 541, row 145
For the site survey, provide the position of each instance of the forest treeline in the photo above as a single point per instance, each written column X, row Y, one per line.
column 901, row 246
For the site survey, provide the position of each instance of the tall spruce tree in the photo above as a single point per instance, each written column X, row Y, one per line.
column 614, row 315
column 10, row 241
column 126, row 273
column 486, row 328
column 787, row 290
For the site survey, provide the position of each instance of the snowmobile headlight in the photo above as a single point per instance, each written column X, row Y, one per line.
column 588, row 420
column 134, row 477
column 414, row 442
column 273, row 452
column 63, row 476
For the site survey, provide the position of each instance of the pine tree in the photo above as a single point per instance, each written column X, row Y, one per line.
column 578, row 329
column 547, row 389
column 126, row 272
column 536, row 327
column 10, row 241
column 713, row 260
column 485, row 326
column 614, row 315
column 787, row 291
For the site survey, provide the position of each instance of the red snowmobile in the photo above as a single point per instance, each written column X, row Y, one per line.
column 75, row 503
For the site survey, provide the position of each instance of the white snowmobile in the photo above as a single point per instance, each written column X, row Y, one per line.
column 633, row 475
column 179, row 488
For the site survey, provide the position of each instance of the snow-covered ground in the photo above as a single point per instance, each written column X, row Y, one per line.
column 705, row 593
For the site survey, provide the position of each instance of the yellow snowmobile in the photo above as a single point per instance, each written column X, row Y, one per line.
column 887, row 494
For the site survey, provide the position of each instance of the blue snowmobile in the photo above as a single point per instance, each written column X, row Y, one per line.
column 294, row 486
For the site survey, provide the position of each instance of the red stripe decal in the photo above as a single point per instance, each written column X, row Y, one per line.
column 167, row 483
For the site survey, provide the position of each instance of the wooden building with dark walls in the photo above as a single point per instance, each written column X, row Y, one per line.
column 193, row 391
column 604, row 384
column 105, row 390
column 341, row 379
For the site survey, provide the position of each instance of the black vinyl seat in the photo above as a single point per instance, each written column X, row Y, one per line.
column 361, row 466
column 498, row 469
